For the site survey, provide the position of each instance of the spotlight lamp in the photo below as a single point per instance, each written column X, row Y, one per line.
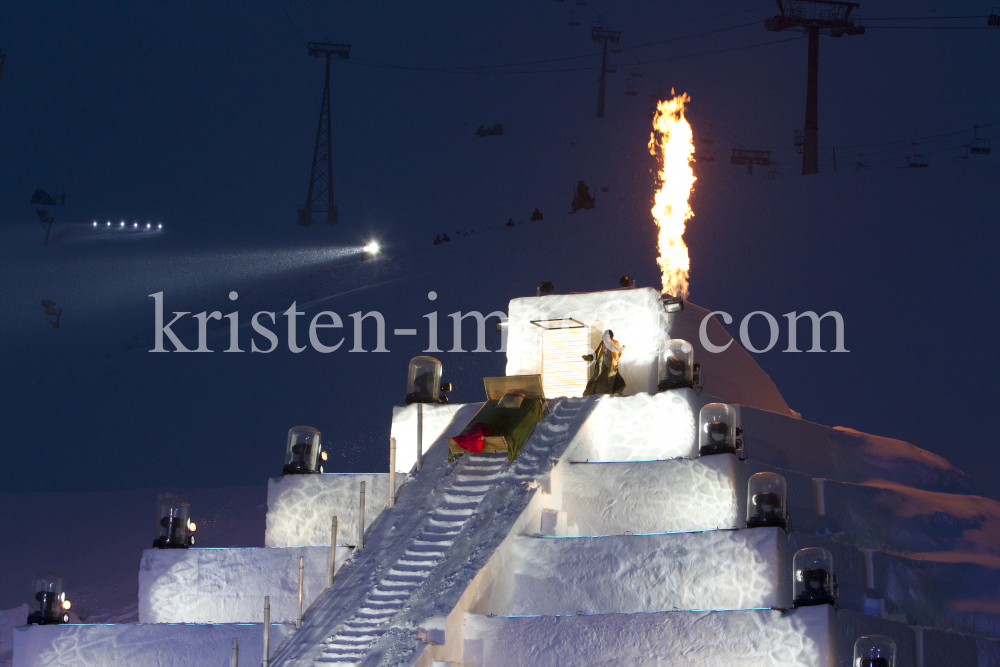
column 672, row 304
column 423, row 382
column 545, row 288
column 174, row 527
column 626, row 281
column 677, row 369
column 718, row 432
column 874, row 651
column 372, row 249
column 303, row 451
column 48, row 604
column 767, row 501
column 813, row 580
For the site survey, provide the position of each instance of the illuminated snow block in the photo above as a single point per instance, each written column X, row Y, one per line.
column 439, row 423
column 229, row 585
column 642, row 427
column 651, row 496
column 754, row 638
column 300, row 508
column 636, row 316
column 745, row 569
column 141, row 645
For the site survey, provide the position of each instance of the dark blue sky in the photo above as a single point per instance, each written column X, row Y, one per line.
column 203, row 116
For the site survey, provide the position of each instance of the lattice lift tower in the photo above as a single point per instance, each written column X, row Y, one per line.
column 599, row 34
column 814, row 17
column 320, row 197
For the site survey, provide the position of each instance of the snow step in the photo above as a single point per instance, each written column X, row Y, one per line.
column 373, row 633
column 414, row 566
column 461, row 490
column 394, row 605
column 438, row 537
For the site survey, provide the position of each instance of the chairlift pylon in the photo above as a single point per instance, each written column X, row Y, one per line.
column 704, row 152
column 979, row 146
column 915, row 160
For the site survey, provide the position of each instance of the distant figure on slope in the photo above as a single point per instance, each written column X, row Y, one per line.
column 582, row 198
column 437, row 240
column 495, row 131
column 51, row 311
column 604, row 375
column 510, row 222
column 445, row 238
column 536, row 215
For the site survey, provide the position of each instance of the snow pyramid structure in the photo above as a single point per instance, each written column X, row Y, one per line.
column 606, row 540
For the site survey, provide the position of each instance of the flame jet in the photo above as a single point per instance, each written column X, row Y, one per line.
column 671, row 141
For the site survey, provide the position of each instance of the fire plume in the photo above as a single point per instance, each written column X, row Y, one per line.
column 672, row 143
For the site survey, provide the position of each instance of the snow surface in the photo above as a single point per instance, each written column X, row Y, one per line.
column 439, row 423
column 300, row 508
column 742, row 569
column 9, row 619
column 229, row 585
column 141, row 645
column 647, row 497
column 754, row 638
column 641, row 427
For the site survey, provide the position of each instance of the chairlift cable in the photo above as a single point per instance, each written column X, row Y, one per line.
column 290, row 21
column 321, row 20
column 921, row 18
column 471, row 48
column 575, row 39
column 362, row 62
column 925, row 27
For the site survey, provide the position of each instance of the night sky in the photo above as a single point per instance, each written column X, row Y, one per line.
column 202, row 116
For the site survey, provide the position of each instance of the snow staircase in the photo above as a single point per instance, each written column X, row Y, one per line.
column 471, row 480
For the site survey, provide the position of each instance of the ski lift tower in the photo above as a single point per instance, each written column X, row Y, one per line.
column 814, row 17
column 598, row 33
column 320, row 197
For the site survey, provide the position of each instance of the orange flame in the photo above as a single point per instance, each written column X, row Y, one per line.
column 672, row 142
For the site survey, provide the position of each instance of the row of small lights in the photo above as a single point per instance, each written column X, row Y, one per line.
column 134, row 224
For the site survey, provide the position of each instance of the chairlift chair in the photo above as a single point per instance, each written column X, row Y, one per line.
column 979, row 146
column 630, row 87
column 860, row 165
column 636, row 72
column 916, row 160
column 772, row 174
column 964, row 158
column 993, row 20
column 572, row 18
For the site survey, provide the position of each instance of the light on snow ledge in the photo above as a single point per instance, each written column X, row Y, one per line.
column 767, row 501
column 174, row 527
column 813, row 580
column 676, row 365
column 423, row 382
column 304, row 452
column 874, row 651
column 49, row 605
column 717, row 430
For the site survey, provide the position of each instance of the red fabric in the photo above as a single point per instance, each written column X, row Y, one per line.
column 473, row 440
